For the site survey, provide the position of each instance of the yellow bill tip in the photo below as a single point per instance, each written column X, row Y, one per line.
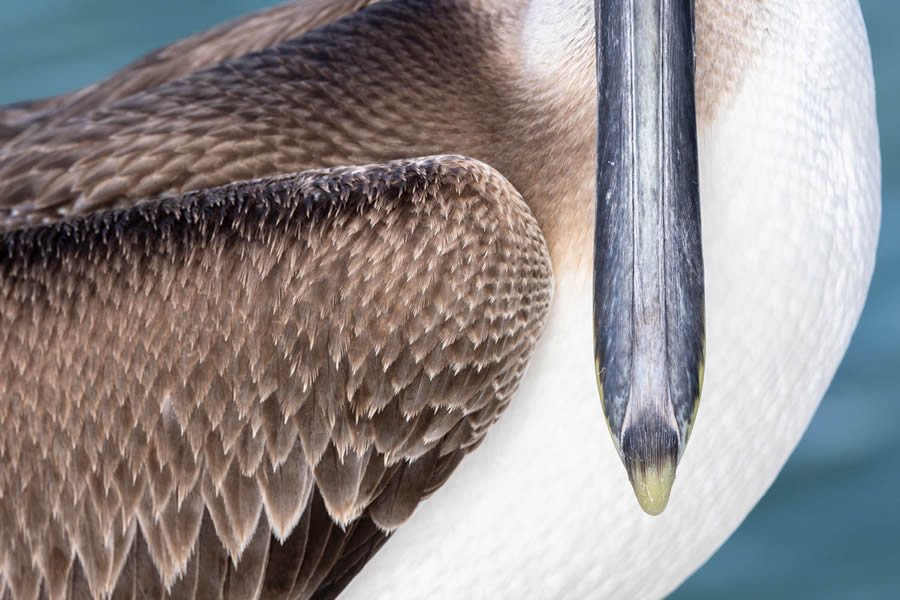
column 652, row 485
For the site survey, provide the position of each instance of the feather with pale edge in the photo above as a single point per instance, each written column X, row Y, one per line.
column 240, row 36
column 240, row 392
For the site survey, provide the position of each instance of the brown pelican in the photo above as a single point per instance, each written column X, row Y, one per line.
column 263, row 290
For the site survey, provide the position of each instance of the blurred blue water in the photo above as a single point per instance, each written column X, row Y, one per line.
column 829, row 526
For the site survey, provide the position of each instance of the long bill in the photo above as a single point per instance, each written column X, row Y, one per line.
column 648, row 265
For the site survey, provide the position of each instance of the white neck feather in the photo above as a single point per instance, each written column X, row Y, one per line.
column 557, row 42
column 790, row 192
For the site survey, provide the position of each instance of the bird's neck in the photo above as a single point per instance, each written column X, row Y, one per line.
column 557, row 45
column 554, row 108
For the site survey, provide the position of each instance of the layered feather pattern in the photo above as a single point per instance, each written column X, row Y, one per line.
column 246, row 34
column 241, row 391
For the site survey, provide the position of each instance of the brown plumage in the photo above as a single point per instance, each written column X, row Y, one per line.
column 243, row 35
column 315, row 351
column 384, row 83
column 240, row 391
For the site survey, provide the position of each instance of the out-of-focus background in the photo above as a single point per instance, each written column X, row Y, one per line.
column 830, row 525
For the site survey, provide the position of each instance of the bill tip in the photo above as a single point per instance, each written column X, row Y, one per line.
column 652, row 485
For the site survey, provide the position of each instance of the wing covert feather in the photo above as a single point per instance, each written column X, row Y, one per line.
column 273, row 372
column 245, row 34
column 289, row 107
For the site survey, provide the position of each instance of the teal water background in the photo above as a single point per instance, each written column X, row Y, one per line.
column 830, row 525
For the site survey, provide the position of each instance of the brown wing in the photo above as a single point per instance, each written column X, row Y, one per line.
column 241, row 392
column 383, row 83
column 237, row 37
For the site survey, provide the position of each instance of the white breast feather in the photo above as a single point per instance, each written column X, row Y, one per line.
column 790, row 186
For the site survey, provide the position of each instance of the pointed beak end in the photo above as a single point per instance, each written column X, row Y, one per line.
column 651, row 456
column 652, row 485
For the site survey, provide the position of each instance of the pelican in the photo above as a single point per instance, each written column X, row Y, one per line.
column 265, row 290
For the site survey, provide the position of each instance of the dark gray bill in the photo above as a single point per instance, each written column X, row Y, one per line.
column 648, row 265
